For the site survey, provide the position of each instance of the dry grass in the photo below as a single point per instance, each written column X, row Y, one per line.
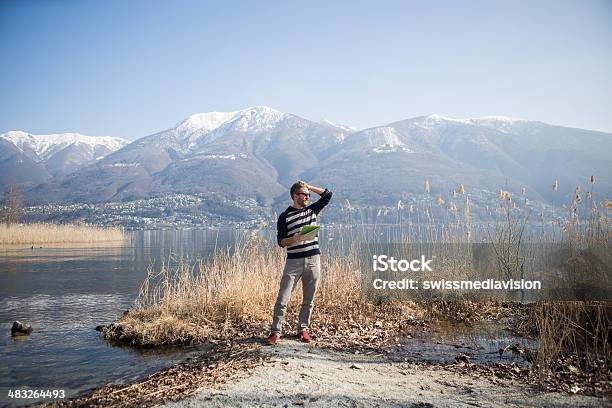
column 578, row 328
column 47, row 233
column 575, row 336
column 232, row 295
column 575, row 327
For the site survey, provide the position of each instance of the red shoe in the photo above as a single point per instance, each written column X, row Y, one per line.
column 273, row 338
column 304, row 336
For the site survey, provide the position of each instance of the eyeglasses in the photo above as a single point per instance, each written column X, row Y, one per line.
column 304, row 194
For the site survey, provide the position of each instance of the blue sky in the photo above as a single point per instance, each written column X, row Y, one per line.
column 132, row 68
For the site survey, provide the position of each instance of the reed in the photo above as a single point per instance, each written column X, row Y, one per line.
column 580, row 329
column 48, row 233
column 231, row 295
column 572, row 329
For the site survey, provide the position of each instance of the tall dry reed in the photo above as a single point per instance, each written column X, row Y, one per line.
column 577, row 329
column 48, row 233
column 230, row 294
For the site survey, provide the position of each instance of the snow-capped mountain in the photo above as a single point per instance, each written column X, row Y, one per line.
column 253, row 151
column 487, row 154
column 208, row 127
column 259, row 152
column 33, row 158
column 45, row 146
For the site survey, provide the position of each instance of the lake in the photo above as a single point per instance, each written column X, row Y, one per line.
column 64, row 293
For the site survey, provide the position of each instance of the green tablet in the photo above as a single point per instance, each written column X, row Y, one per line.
column 307, row 229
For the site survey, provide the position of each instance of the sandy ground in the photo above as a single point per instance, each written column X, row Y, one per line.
column 304, row 375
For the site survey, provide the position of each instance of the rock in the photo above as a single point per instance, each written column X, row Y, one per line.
column 356, row 366
column 99, row 328
column 421, row 405
column 462, row 358
column 20, row 329
column 517, row 349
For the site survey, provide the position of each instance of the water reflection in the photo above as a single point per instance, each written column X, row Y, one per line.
column 65, row 292
column 481, row 342
column 60, row 254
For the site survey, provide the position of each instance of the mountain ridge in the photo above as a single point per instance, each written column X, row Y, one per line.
column 259, row 151
column 29, row 158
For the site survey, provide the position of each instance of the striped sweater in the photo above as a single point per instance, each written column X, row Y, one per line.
column 292, row 219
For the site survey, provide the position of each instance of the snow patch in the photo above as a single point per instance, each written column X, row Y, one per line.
column 224, row 156
column 501, row 123
column 205, row 122
column 386, row 140
column 346, row 128
column 435, row 120
column 123, row 165
column 391, row 149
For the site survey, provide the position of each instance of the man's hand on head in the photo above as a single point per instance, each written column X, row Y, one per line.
column 314, row 189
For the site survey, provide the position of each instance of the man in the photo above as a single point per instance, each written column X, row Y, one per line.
column 303, row 257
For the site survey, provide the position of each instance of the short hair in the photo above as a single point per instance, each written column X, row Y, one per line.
column 295, row 187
